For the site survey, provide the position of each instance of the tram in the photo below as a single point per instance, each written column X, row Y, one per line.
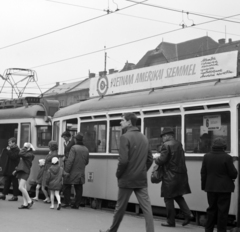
column 28, row 120
column 196, row 98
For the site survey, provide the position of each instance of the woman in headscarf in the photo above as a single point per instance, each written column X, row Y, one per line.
column 53, row 147
column 23, row 171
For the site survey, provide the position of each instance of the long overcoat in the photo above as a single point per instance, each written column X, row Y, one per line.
column 135, row 158
column 75, row 165
column 175, row 177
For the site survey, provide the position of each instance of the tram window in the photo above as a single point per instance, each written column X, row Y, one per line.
column 6, row 132
column 115, row 133
column 154, row 126
column 56, row 126
column 71, row 126
column 94, row 136
column 202, row 129
column 25, row 133
column 44, row 134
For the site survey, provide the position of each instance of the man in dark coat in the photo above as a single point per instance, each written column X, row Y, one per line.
column 75, row 166
column 11, row 162
column 217, row 175
column 175, row 178
column 135, row 158
column 68, row 143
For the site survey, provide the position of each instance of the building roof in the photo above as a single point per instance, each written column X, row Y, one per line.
column 68, row 88
column 228, row 47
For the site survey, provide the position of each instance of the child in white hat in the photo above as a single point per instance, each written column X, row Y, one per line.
column 41, row 163
column 54, row 182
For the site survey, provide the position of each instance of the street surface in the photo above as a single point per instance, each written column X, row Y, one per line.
column 41, row 218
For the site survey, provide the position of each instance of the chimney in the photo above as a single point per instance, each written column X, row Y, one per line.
column 221, row 41
column 102, row 73
column 229, row 40
column 57, row 83
column 111, row 71
column 91, row 75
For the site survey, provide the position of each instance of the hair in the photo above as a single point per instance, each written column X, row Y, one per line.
column 66, row 134
column 132, row 117
column 53, row 146
column 13, row 140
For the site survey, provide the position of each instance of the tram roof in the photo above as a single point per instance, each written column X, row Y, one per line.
column 174, row 95
column 31, row 111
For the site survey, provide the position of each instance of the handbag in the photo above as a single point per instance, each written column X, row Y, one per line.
column 157, row 174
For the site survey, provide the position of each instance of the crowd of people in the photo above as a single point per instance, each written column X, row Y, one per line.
column 135, row 159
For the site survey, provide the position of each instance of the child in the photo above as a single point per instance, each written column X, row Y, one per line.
column 41, row 163
column 54, row 182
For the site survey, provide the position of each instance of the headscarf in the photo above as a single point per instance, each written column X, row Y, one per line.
column 29, row 146
column 53, row 145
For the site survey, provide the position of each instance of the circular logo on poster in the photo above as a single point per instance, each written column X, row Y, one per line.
column 102, row 85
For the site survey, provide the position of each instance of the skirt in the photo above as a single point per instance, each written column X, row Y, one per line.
column 22, row 175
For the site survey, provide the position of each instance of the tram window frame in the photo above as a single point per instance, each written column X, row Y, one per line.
column 165, row 122
column 56, row 131
column 23, row 138
column 43, row 137
column 98, row 141
column 201, row 138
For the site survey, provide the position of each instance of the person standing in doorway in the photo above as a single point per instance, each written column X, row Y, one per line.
column 135, row 159
column 217, row 178
column 12, row 160
column 175, row 177
column 75, row 172
column 68, row 143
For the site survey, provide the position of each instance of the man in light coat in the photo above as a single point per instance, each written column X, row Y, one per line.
column 175, row 178
column 135, row 158
column 75, row 166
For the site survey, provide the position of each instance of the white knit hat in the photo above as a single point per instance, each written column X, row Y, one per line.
column 41, row 162
column 55, row 160
column 29, row 146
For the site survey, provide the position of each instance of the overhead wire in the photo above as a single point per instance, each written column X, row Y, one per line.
column 64, row 28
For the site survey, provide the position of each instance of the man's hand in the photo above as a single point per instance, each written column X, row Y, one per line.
column 8, row 148
column 156, row 155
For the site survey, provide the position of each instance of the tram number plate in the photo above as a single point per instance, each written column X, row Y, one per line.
column 90, row 177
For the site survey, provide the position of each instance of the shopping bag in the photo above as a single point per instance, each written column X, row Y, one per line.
column 157, row 174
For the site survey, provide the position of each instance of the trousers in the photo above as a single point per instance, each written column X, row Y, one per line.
column 171, row 212
column 7, row 184
column 144, row 202
column 217, row 212
column 67, row 193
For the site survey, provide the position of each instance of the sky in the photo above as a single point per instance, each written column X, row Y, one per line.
column 63, row 40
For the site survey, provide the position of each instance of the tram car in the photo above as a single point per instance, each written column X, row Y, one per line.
column 198, row 98
column 28, row 120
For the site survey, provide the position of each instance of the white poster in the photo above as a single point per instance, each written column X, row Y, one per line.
column 215, row 66
column 212, row 122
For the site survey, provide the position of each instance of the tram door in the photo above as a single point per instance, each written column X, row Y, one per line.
column 7, row 131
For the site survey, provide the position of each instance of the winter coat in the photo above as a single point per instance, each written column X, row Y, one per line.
column 54, row 177
column 75, row 165
column 48, row 163
column 40, row 175
column 135, row 158
column 26, row 158
column 218, row 172
column 175, row 177
column 11, row 161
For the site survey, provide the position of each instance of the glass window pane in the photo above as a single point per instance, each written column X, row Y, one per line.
column 94, row 136
column 44, row 134
column 115, row 133
column 56, row 126
column 25, row 133
column 202, row 129
column 154, row 126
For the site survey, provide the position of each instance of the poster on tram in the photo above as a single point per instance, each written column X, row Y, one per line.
column 215, row 66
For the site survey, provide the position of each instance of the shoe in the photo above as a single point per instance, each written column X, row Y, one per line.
column 167, row 225
column 3, row 197
column 47, row 201
column 30, row 204
column 187, row 220
column 59, row 206
column 35, row 199
column 66, row 205
column 52, row 207
column 75, row 207
column 13, row 199
column 23, row 207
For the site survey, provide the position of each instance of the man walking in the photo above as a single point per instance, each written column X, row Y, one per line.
column 135, row 158
column 11, row 162
column 175, row 178
column 217, row 176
